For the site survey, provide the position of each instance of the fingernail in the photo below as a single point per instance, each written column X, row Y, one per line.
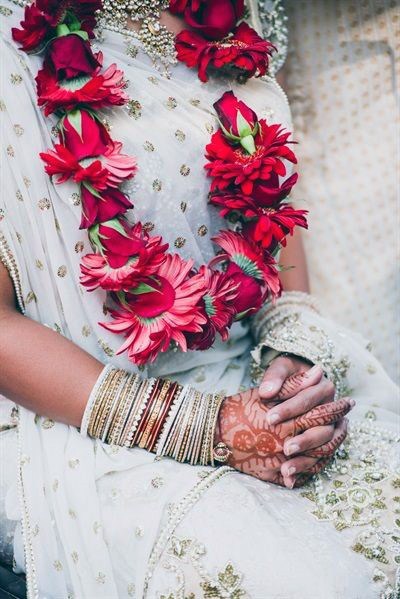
column 313, row 371
column 292, row 448
column 292, row 483
column 268, row 387
column 292, row 470
column 352, row 403
column 273, row 418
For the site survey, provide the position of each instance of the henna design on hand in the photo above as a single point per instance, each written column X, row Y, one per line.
column 324, row 414
column 329, row 448
column 257, row 446
column 291, row 386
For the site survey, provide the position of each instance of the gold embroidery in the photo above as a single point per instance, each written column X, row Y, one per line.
column 10, row 151
column 15, row 78
column 106, row 348
column 134, row 109
column 44, row 204
column 62, row 271
column 76, row 199
column 357, row 490
column 183, row 206
column 79, row 246
column 184, row 170
column 86, row 330
column 6, row 12
column 19, row 196
column 202, row 230
column 157, row 185
column 171, row 103
column 148, row 146
column 180, row 135
column 18, row 130
column 148, row 226
column 179, row 242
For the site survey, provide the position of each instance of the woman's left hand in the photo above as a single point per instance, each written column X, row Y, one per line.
column 296, row 387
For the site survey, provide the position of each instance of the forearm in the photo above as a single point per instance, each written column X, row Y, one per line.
column 293, row 258
column 41, row 369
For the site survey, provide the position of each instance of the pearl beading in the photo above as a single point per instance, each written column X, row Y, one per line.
column 9, row 261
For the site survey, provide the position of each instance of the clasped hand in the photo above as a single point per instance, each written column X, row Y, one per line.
column 287, row 429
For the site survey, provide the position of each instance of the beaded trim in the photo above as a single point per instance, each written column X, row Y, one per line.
column 179, row 512
column 282, row 328
column 273, row 22
column 31, row 582
column 9, row 261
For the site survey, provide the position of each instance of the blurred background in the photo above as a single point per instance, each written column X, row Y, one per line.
column 341, row 77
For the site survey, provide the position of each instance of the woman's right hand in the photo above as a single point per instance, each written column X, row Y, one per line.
column 257, row 445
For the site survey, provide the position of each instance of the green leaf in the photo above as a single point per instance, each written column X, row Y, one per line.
column 75, row 118
column 95, row 238
column 82, row 34
column 248, row 144
column 93, row 191
column 243, row 126
column 142, row 288
column 62, row 30
column 116, row 226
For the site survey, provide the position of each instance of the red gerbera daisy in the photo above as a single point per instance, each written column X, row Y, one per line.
column 162, row 309
column 250, row 259
column 103, row 89
column 125, row 253
column 219, row 308
column 232, row 165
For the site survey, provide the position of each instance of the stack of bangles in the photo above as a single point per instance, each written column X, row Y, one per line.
column 154, row 414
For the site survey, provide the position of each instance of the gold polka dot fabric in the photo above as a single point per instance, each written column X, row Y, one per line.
column 342, row 80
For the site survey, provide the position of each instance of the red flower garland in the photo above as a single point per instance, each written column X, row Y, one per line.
column 158, row 298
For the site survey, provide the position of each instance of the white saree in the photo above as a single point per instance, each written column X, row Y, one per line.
column 96, row 521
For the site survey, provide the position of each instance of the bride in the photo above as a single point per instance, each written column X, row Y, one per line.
column 103, row 375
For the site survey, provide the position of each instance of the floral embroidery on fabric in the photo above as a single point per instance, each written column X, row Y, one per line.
column 186, row 563
column 361, row 491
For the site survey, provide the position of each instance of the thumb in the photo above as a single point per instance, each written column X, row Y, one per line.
column 274, row 377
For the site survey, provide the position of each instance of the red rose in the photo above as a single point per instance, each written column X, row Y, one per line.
column 84, row 136
column 70, row 56
column 250, row 294
column 100, row 207
column 236, row 118
column 244, row 52
column 103, row 89
column 42, row 17
column 213, row 19
column 178, row 6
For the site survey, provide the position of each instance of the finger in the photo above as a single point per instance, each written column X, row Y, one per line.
column 301, row 380
column 297, row 465
column 321, row 415
column 306, row 476
column 275, row 375
column 329, row 448
column 316, row 437
column 302, row 402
